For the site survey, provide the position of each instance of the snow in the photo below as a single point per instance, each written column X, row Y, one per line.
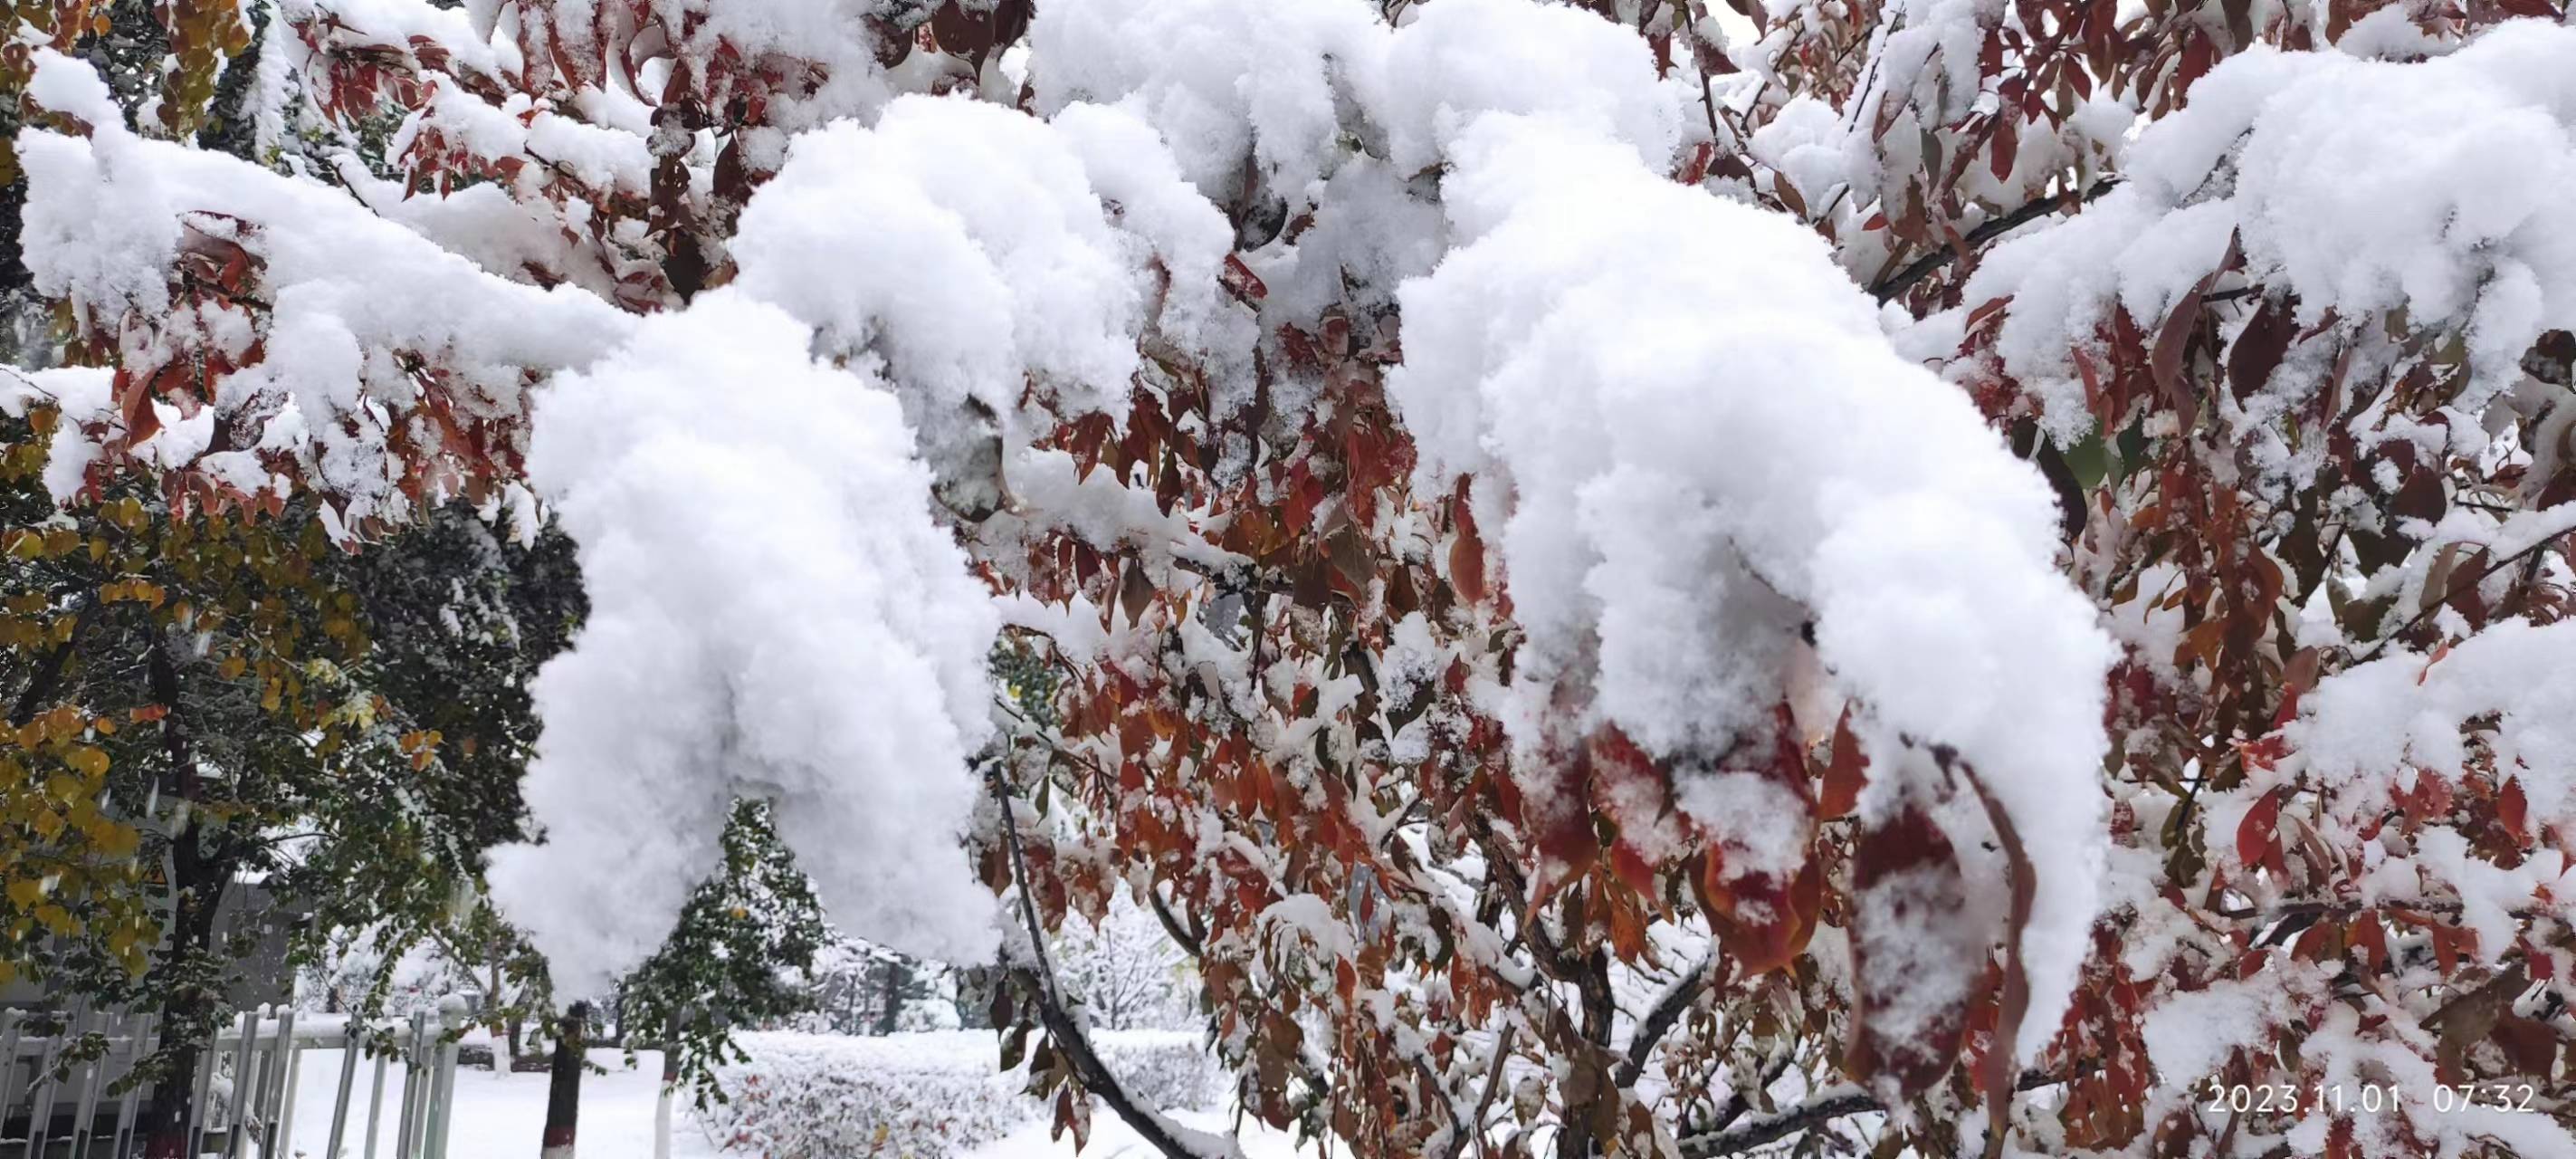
column 1455, row 61
column 1032, row 278
column 64, row 85
column 1710, row 479
column 2361, row 186
column 2190, row 1035
column 80, row 396
column 1111, row 1139
column 1702, row 435
column 1744, row 812
column 1223, row 81
column 924, row 1093
column 2406, row 710
column 497, row 1113
column 108, row 216
column 772, row 613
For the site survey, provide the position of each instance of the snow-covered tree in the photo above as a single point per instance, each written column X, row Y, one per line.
column 1901, row 575
column 1127, row 971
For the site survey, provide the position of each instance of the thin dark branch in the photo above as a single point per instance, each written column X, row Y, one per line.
column 1738, row 1102
column 49, row 674
column 1072, row 1041
column 1172, row 926
column 1493, row 1084
column 1659, row 1021
column 1896, row 285
column 1761, row 1129
column 2417, row 620
column 1815, row 1112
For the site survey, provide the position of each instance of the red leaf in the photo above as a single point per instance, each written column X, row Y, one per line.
column 2512, row 807
column 1466, row 552
column 1843, row 773
column 2370, row 940
column 1922, row 909
column 1240, row 281
column 2259, row 348
column 2258, row 836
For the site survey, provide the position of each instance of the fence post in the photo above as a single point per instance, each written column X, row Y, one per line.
column 85, row 1106
column 123, row 1140
column 375, row 1106
column 9, row 1020
column 205, row 1090
column 235, row 1110
column 442, row 1084
column 275, row 1088
column 407, row 1140
column 250, row 1090
column 40, row 1108
column 284, row 1135
column 348, row 1079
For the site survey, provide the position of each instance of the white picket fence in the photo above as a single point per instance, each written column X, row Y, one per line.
column 246, row 1086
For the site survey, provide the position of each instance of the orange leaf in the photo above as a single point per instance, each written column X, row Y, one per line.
column 1843, row 774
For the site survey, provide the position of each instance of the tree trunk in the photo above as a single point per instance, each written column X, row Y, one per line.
column 891, row 1013
column 563, row 1084
column 187, row 1010
column 197, row 883
column 670, row 1087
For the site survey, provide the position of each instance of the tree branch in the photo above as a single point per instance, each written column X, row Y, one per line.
column 1659, row 1021
column 1071, row 1040
column 49, row 674
column 1485, row 1101
column 1895, row 285
column 2418, row 618
column 1761, row 1129
column 1172, row 926
column 1736, row 1100
column 1833, row 1103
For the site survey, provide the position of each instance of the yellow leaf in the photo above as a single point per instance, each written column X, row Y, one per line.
column 26, row 892
column 90, row 761
column 114, row 840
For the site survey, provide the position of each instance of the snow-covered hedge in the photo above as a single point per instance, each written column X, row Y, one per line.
column 807, row 1096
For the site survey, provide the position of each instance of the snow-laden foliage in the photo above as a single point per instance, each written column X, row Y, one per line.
column 1910, row 576
column 935, row 1094
column 772, row 614
column 1660, row 398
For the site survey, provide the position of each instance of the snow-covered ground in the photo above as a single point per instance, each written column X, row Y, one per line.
column 1110, row 1139
column 500, row 1115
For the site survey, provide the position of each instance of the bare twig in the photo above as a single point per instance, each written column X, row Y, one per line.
column 1895, row 285
column 1493, row 1084
column 2417, row 620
